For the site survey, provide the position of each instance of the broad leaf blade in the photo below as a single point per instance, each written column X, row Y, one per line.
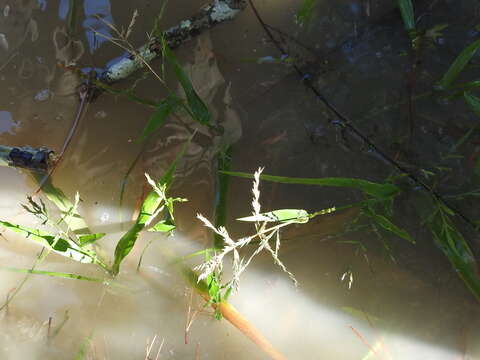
column 459, row 64
column 374, row 189
column 196, row 105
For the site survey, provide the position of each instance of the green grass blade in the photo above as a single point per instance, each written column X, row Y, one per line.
column 224, row 164
column 408, row 15
column 64, row 247
column 163, row 226
column 87, row 239
column 389, row 226
column 474, row 102
column 456, row 249
column 459, row 64
column 305, row 12
column 53, row 274
column 84, row 348
column 196, row 105
column 374, row 189
column 61, row 201
column 160, row 115
column 148, row 209
column 298, row 216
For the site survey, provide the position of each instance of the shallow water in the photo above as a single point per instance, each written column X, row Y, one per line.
column 413, row 308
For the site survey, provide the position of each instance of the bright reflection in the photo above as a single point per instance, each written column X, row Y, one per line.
column 303, row 323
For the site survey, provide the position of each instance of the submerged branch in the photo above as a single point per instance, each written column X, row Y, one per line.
column 210, row 15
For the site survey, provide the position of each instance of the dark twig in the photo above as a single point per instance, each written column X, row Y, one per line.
column 347, row 125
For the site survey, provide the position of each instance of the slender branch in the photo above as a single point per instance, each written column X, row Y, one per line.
column 208, row 16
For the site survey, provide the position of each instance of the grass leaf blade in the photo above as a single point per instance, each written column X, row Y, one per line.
column 459, row 64
column 195, row 103
column 473, row 101
column 385, row 190
column 408, row 16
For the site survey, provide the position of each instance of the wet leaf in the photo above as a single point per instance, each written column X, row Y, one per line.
column 163, row 226
column 64, row 247
column 474, row 102
column 224, row 163
column 160, row 115
column 456, row 249
column 374, row 189
column 388, row 225
column 459, row 64
column 304, row 14
column 148, row 209
column 89, row 238
column 54, row 274
column 283, row 215
column 82, row 353
column 196, row 105
column 408, row 16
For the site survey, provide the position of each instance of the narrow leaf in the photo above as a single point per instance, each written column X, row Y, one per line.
column 61, row 246
column 389, row 226
column 305, row 12
column 54, row 274
column 160, row 115
column 282, row 215
column 459, row 64
column 406, row 9
column 374, row 189
column 196, row 105
column 473, row 101
column 89, row 238
column 148, row 209
column 163, row 226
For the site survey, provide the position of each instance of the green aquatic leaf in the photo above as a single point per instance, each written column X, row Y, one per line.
column 408, row 16
column 224, row 163
column 64, row 247
column 473, row 101
column 163, row 109
column 389, row 225
column 82, row 353
column 459, row 64
column 54, row 274
column 148, row 209
column 453, row 245
column 298, row 216
column 163, row 226
column 196, row 105
column 305, row 12
column 383, row 191
column 87, row 239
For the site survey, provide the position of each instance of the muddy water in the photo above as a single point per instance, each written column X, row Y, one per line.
column 415, row 308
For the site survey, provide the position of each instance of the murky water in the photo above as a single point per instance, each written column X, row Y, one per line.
column 413, row 308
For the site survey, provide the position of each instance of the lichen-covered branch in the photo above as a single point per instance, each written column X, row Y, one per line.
column 26, row 157
column 210, row 15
